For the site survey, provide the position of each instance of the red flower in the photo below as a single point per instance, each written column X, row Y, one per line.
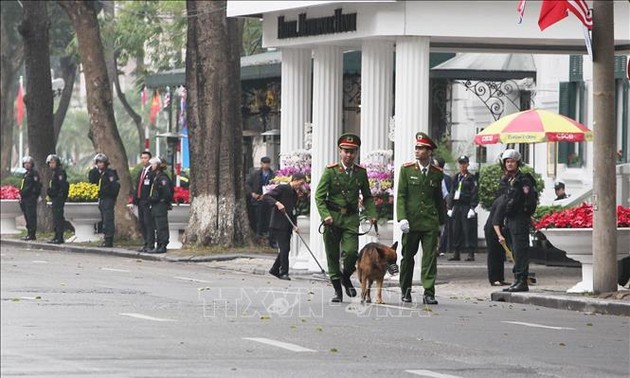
column 579, row 217
column 9, row 192
column 181, row 195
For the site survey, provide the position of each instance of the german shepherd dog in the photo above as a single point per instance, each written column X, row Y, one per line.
column 372, row 264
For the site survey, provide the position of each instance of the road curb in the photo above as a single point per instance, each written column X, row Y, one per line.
column 563, row 302
column 122, row 252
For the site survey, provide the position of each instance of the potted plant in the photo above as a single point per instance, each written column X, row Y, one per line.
column 571, row 230
column 81, row 210
column 10, row 209
column 380, row 172
column 178, row 216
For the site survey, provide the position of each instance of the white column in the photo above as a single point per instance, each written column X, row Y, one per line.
column 377, row 91
column 327, row 116
column 411, row 108
column 295, row 98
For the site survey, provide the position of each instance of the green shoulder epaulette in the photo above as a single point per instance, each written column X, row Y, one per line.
column 357, row 166
column 409, row 164
column 332, row 165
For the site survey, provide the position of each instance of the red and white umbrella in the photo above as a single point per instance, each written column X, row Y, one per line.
column 534, row 126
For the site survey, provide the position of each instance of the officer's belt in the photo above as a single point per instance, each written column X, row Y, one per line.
column 342, row 210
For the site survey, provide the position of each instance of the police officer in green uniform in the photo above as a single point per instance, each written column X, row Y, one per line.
column 421, row 212
column 108, row 189
column 160, row 197
column 337, row 199
column 58, row 193
column 30, row 189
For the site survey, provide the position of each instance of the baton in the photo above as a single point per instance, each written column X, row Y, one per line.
column 508, row 253
column 301, row 238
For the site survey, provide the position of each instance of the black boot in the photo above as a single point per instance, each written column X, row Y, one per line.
column 512, row 285
column 58, row 239
column 455, row 256
column 347, row 283
column 30, row 236
column 338, row 297
column 520, row 286
column 161, row 248
column 108, row 242
column 471, row 256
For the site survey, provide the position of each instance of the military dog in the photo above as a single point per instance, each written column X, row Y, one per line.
column 372, row 264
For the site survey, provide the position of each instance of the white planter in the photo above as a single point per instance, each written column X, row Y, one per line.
column 83, row 216
column 578, row 244
column 299, row 256
column 177, row 220
column 9, row 210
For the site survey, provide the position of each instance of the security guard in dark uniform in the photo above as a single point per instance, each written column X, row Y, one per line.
column 160, row 197
column 337, row 200
column 108, row 188
column 517, row 217
column 140, row 198
column 58, row 193
column 421, row 212
column 461, row 204
column 30, row 189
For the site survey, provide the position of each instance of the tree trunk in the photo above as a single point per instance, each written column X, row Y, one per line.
column 12, row 56
column 218, row 212
column 103, row 129
column 39, row 97
column 69, row 75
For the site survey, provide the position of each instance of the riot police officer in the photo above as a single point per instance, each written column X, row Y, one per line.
column 337, row 199
column 108, row 188
column 517, row 217
column 58, row 193
column 30, row 189
column 160, row 197
column 462, row 201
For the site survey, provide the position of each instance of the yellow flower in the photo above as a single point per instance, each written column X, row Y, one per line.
column 83, row 192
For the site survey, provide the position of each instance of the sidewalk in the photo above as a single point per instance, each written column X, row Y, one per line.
column 456, row 280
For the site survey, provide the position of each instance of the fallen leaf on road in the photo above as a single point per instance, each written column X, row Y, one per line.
column 333, row 350
column 265, row 317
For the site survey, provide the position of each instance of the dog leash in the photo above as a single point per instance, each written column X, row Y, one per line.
column 322, row 229
column 301, row 238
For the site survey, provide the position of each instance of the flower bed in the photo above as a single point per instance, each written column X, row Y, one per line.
column 83, row 192
column 579, row 217
column 9, row 192
column 181, row 195
column 380, row 173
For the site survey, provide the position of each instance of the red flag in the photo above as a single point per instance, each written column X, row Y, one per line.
column 520, row 8
column 553, row 11
column 19, row 105
column 155, row 107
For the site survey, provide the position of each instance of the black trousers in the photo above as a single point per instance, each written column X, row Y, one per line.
column 106, row 206
column 464, row 233
column 59, row 221
column 147, row 226
column 262, row 212
column 283, row 238
column 29, row 208
column 496, row 256
column 159, row 212
column 519, row 238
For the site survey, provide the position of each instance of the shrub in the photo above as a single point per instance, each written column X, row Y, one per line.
column 489, row 178
column 83, row 192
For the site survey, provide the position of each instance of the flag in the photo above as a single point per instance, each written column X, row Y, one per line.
column 520, row 8
column 19, row 107
column 143, row 97
column 553, row 11
column 155, row 107
column 167, row 99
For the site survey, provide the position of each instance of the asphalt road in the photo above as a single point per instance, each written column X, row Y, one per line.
column 67, row 314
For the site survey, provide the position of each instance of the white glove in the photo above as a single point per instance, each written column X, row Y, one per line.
column 471, row 214
column 404, row 226
column 450, row 213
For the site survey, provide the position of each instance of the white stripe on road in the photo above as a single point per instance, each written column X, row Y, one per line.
column 280, row 344
column 429, row 373
column 115, row 270
column 40, row 262
column 146, row 317
column 410, row 308
column 191, row 279
column 536, row 325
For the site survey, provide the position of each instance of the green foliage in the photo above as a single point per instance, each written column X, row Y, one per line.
column 489, row 178
column 252, row 37
column 12, row 180
column 541, row 211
